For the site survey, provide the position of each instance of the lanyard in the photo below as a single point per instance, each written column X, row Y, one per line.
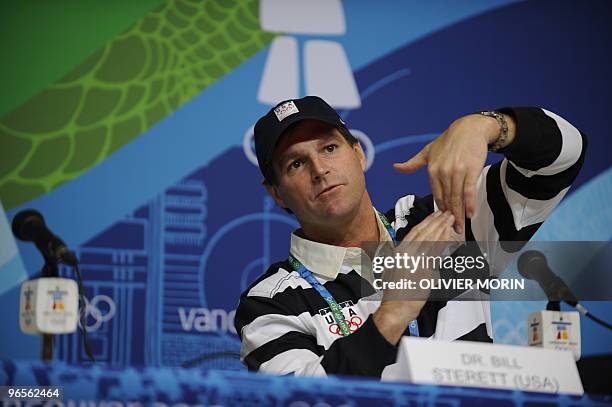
column 413, row 326
column 333, row 305
column 307, row 275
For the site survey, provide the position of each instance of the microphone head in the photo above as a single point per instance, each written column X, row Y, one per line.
column 532, row 265
column 26, row 223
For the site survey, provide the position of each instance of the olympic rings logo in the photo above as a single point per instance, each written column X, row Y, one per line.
column 92, row 310
column 510, row 333
column 353, row 324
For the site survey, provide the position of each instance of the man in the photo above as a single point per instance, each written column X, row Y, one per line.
column 288, row 319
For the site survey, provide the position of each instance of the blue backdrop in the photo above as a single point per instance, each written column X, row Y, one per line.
column 171, row 227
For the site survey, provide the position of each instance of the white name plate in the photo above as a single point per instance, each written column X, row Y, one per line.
column 475, row 364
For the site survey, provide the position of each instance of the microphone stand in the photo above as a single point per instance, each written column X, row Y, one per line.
column 48, row 270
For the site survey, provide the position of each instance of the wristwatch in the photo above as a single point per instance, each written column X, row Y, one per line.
column 503, row 129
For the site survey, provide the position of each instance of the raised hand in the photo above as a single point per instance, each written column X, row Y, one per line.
column 454, row 162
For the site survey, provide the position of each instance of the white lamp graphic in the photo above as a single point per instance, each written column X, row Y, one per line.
column 325, row 68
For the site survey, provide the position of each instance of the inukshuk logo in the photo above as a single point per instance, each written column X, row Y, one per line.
column 57, row 296
column 562, row 329
column 28, row 299
column 534, row 331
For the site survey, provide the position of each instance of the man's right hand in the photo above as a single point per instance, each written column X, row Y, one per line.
column 399, row 307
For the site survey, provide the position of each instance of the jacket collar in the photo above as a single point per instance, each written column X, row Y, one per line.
column 326, row 260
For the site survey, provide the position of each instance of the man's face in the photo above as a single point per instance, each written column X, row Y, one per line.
column 320, row 175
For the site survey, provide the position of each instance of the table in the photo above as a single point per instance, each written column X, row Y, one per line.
column 120, row 386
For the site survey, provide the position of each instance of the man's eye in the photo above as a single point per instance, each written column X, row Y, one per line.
column 295, row 165
column 331, row 147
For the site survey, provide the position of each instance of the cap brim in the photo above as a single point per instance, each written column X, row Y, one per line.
column 295, row 119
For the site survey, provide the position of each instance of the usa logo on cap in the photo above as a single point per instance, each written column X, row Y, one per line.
column 284, row 110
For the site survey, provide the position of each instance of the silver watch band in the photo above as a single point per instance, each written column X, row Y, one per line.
column 503, row 129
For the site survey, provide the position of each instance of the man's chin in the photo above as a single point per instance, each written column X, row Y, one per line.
column 338, row 212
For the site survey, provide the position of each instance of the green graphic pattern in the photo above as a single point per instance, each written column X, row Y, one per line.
column 122, row 90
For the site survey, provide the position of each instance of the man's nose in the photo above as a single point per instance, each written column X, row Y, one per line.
column 319, row 169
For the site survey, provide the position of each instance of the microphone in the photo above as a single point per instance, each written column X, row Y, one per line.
column 29, row 226
column 532, row 265
column 552, row 329
column 49, row 305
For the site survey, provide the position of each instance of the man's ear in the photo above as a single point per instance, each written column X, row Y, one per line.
column 273, row 191
column 361, row 155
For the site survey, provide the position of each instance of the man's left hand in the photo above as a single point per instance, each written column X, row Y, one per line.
column 454, row 162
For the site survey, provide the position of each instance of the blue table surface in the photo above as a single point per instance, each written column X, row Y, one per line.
column 118, row 386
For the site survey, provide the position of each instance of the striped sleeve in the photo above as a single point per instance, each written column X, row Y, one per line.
column 515, row 195
column 274, row 340
column 276, row 334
